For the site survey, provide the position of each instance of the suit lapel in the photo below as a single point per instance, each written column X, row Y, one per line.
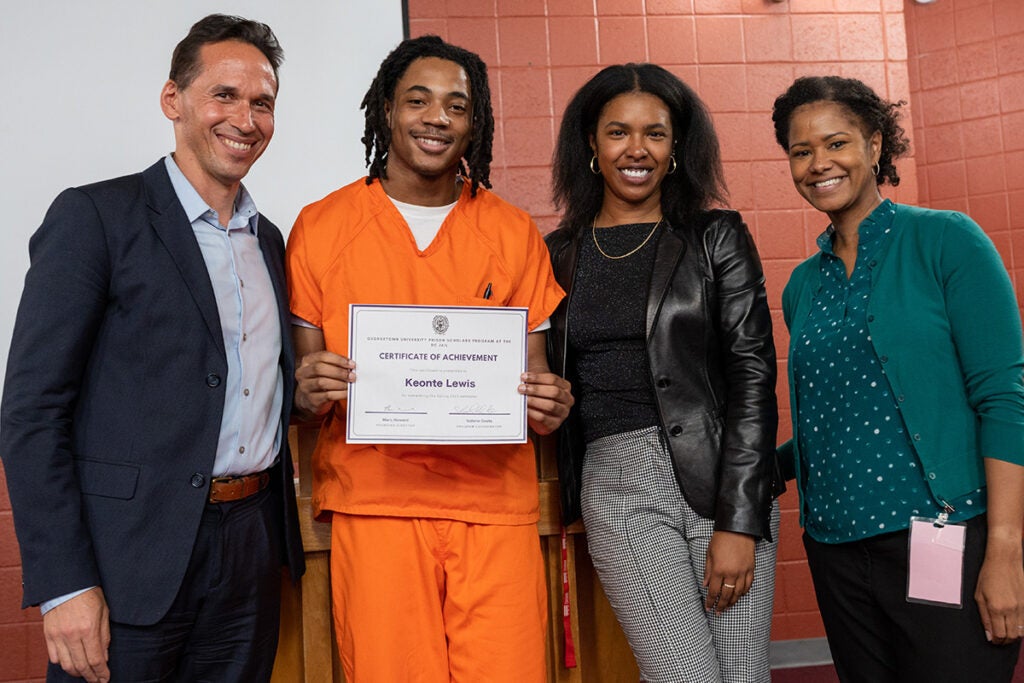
column 172, row 227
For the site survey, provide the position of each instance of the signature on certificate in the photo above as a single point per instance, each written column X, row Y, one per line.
column 475, row 409
column 397, row 410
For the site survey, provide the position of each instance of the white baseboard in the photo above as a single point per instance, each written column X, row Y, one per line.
column 788, row 654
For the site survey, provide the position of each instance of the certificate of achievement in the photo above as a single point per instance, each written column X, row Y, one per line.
column 438, row 375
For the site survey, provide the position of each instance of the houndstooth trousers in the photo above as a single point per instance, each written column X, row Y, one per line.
column 649, row 549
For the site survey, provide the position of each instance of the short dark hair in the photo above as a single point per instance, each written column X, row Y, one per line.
column 871, row 112
column 698, row 181
column 377, row 134
column 216, row 28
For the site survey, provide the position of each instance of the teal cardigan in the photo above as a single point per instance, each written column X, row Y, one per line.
column 944, row 323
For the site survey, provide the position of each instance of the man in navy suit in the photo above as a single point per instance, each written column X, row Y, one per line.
column 145, row 409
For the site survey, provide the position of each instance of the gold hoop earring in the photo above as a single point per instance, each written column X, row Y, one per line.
column 876, row 169
column 672, row 165
column 594, row 167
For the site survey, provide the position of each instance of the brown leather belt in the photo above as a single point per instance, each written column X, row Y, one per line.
column 228, row 489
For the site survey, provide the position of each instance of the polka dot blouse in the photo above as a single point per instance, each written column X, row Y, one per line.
column 862, row 475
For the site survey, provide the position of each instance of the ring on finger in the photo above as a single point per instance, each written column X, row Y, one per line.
column 732, row 585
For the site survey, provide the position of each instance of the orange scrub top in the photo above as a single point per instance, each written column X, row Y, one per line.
column 353, row 246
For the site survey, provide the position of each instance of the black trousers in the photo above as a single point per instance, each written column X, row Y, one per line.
column 223, row 624
column 876, row 636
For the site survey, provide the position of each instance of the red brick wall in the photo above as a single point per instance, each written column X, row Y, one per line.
column 967, row 89
column 22, row 649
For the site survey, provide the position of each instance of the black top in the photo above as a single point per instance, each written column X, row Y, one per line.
column 607, row 323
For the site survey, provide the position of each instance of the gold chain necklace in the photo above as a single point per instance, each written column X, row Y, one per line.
column 593, row 232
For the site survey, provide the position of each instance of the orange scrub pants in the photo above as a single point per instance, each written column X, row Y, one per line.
column 437, row 600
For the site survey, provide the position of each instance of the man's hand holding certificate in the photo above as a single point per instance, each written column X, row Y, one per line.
column 437, row 374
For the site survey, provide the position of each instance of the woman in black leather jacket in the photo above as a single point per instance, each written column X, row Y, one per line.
column 666, row 337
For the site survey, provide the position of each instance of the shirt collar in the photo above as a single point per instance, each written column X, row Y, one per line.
column 197, row 209
column 870, row 232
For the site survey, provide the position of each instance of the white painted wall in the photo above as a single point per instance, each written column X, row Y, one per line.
column 80, row 83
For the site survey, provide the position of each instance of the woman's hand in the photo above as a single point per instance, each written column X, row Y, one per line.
column 729, row 571
column 1000, row 591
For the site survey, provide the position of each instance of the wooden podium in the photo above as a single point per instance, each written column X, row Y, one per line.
column 306, row 651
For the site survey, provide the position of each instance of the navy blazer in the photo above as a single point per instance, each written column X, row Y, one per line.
column 114, row 393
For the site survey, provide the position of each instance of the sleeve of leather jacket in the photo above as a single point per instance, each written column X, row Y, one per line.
column 748, row 358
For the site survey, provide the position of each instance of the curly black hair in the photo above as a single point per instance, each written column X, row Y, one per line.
column 698, row 181
column 871, row 111
column 377, row 134
column 216, row 28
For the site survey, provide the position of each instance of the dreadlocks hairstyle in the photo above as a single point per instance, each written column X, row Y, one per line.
column 697, row 184
column 377, row 134
column 869, row 110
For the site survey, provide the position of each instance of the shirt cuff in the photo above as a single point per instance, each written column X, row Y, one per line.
column 299, row 322
column 546, row 325
column 50, row 604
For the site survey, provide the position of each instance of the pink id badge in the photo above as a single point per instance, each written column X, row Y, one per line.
column 936, row 568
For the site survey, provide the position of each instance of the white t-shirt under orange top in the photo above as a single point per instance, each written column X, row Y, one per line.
column 353, row 246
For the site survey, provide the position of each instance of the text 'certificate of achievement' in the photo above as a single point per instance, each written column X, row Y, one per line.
column 440, row 375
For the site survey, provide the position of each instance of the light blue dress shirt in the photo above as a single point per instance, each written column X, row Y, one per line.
column 251, row 429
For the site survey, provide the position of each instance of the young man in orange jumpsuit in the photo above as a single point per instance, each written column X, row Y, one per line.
column 436, row 565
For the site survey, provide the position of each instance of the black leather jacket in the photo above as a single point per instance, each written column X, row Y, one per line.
column 712, row 361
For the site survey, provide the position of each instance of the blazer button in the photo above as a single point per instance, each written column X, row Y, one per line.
column 664, row 382
column 213, row 380
column 197, row 481
column 676, row 430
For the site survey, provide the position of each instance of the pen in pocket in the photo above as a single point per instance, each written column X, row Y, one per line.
column 487, row 292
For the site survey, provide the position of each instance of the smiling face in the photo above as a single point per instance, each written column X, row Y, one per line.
column 430, row 119
column 831, row 161
column 633, row 144
column 224, row 119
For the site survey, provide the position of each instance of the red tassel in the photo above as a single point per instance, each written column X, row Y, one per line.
column 570, row 647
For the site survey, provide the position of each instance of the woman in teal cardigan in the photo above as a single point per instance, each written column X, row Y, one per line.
column 905, row 374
